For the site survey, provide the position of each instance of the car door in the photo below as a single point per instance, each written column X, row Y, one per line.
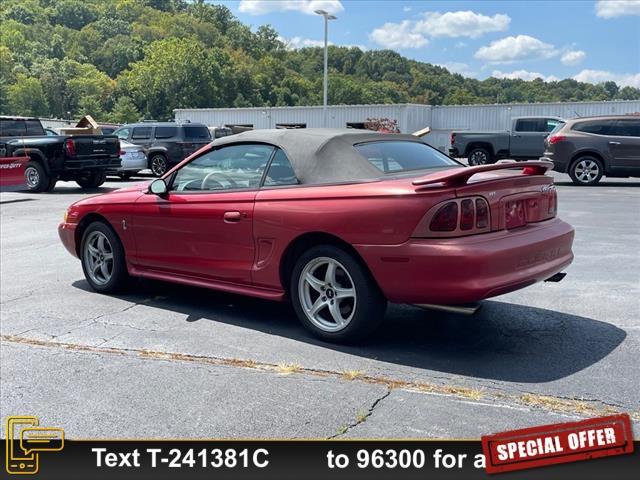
column 624, row 146
column 142, row 136
column 527, row 138
column 203, row 226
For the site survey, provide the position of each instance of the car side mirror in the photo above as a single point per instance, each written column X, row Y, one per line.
column 158, row 187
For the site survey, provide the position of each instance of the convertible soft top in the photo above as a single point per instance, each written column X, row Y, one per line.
column 320, row 155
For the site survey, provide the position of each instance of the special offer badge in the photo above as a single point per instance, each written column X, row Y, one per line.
column 559, row 443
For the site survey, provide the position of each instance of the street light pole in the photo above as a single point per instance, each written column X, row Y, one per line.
column 325, row 80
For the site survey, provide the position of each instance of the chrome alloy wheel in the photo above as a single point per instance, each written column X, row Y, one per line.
column 327, row 294
column 98, row 257
column 32, row 177
column 158, row 165
column 587, row 170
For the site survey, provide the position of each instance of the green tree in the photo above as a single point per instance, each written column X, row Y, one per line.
column 124, row 111
column 26, row 97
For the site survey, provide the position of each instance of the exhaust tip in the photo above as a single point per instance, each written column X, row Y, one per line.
column 557, row 277
column 465, row 309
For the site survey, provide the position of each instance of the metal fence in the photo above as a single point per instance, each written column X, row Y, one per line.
column 410, row 117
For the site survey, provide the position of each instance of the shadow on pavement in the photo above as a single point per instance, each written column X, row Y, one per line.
column 503, row 341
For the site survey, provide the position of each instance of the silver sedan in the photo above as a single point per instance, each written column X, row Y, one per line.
column 133, row 159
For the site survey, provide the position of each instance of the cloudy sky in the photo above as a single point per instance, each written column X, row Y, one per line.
column 591, row 41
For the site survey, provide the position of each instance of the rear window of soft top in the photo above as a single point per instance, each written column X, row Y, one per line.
column 400, row 156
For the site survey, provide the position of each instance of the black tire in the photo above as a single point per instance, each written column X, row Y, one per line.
column 367, row 309
column 479, row 156
column 158, row 164
column 36, row 177
column 586, row 171
column 120, row 276
column 91, row 180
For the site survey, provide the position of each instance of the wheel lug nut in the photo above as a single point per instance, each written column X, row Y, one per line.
column 331, row 302
column 324, row 299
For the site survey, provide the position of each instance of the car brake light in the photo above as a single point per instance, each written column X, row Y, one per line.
column 122, row 152
column 467, row 213
column 445, row 219
column 553, row 139
column 482, row 213
column 453, row 137
column 70, row 146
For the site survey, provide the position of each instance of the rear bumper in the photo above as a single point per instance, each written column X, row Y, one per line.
column 102, row 163
column 67, row 233
column 468, row 269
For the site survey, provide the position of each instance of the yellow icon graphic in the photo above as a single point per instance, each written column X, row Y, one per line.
column 25, row 441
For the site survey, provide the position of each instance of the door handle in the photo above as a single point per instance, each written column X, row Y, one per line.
column 614, row 143
column 232, row 217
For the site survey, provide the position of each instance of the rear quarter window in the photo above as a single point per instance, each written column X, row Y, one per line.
column 197, row 132
column 403, row 156
column 140, row 133
column 166, row 132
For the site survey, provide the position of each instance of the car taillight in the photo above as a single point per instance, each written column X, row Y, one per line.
column 445, row 219
column 453, row 137
column 122, row 152
column 553, row 139
column 482, row 213
column 467, row 214
column 70, row 147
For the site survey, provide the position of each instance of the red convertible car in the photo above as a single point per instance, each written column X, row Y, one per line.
column 337, row 221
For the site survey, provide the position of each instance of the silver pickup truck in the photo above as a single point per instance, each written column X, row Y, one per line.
column 524, row 141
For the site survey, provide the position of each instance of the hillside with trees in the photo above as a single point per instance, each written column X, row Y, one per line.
column 121, row 60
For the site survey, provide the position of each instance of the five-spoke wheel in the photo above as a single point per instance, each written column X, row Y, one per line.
column 334, row 295
column 586, row 170
column 103, row 259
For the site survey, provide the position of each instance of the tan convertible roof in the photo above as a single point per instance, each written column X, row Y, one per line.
column 321, row 155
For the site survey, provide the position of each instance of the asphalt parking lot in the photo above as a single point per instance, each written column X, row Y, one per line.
column 166, row 361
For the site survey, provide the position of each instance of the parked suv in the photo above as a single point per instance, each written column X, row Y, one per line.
column 165, row 143
column 588, row 148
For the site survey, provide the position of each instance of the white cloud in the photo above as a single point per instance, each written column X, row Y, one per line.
column 398, row 35
column 513, row 49
column 572, row 57
column 458, row 67
column 523, row 75
column 599, row 76
column 617, row 8
column 406, row 9
column 262, row 7
column 460, row 24
column 460, row 44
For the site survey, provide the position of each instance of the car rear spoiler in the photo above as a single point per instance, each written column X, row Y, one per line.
column 460, row 176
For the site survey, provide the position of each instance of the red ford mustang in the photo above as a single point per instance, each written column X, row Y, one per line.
column 338, row 221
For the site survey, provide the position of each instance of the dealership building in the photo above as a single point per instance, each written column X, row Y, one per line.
column 410, row 117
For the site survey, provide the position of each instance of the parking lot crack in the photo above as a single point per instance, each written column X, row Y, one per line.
column 361, row 417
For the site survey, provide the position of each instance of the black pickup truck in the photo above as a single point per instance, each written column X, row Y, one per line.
column 84, row 159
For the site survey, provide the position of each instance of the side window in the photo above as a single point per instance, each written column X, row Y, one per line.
column 598, row 127
column 626, row 128
column 280, row 171
column 12, row 128
column 165, row 132
column 122, row 133
column 141, row 133
column 528, row 125
column 34, row 128
column 227, row 168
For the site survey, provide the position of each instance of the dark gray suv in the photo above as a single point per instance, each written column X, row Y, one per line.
column 165, row 143
column 588, row 148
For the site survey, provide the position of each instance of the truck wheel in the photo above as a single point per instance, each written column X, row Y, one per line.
column 91, row 180
column 36, row 177
column 334, row 296
column 479, row 156
column 586, row 170
column 158, row 164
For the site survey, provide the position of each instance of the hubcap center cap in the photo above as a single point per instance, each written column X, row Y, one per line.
column 330, row 293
